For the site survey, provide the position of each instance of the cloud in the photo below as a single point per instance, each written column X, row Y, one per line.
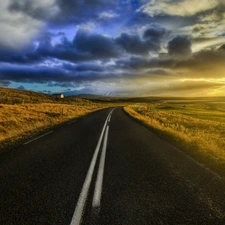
column 155, row 33
column 179, row 47
column 5, row 83
column 36, row 9
column 22, row 21
column 216, row 14
column 161, row 72
column 80, row 11
column 86, row 46
column 193, row 87
column 178, row 7
column 95, row 45
column 199, row 44
column 222, row 47
column 64, row 74
column 32, row 75
column 134, row 44
column 17, row 28
column 108, row 15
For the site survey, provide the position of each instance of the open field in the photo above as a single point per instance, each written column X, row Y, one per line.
column 24, row 113
column 195, row 126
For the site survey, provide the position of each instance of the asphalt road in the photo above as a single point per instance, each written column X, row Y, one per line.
column 106, row 169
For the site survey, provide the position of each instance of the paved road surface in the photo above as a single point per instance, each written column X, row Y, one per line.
column 141, row 179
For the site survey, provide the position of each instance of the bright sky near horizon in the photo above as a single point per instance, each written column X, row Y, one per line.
column 114, row 47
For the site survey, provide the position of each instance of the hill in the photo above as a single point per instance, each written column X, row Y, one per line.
column 26, row 113
column 14, row 96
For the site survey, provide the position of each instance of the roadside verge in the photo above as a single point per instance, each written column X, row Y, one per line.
column 210, row 160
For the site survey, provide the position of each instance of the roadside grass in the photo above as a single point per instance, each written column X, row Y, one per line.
column 196, row 128
column 20, row 121
column 24, row 113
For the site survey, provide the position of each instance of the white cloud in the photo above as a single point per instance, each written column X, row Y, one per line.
column 20, row 24
column 178, row 8
column 201, row 43
column 108, row 15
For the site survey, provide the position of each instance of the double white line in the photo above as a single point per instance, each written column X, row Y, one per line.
column 80, row 207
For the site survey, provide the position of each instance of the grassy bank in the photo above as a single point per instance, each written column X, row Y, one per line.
column 198, row 128
column 23, row 113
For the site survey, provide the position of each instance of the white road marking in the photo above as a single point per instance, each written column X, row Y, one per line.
column 79, row 210
column 198, row 163
column 37, row 137
column 72, row 122
column 98, row 185
column 110, row 117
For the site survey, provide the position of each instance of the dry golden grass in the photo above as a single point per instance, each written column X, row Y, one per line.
column 17, row 121
column 24, row 113
column 198, row 128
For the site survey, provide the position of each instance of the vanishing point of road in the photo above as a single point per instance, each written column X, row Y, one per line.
column 106, row 169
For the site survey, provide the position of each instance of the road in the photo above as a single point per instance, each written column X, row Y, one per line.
column 106, row 169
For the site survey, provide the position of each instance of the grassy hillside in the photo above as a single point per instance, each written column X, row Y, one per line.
column 24, row 113
column 13, row 96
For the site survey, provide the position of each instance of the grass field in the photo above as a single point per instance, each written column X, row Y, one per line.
column 197, row 127
column 23, row 113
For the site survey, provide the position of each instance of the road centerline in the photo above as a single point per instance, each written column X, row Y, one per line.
column 80, row 207
column 98, row 185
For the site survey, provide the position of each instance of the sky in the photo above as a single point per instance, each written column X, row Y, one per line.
column 114, row 47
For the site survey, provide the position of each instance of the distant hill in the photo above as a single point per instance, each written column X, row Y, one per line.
column 92, row 96
column 102, row 98
column 14, row 96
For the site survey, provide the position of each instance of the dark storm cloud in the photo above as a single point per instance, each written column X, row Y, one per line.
column 32, row 75
column 135, row 45
column 85, row 46
column 65, row 50
column 25, row 57
column 150, row 41
column 133, row 63
column 207, row 62
column 179, row 47
column 155, row 33
column 61, row 75
column 5, row 83
column 90, row 67
column 82, row 67
column 34, row 9
column 95, row 44
column 139, row 63
column 60, row 11
column 77, row 12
